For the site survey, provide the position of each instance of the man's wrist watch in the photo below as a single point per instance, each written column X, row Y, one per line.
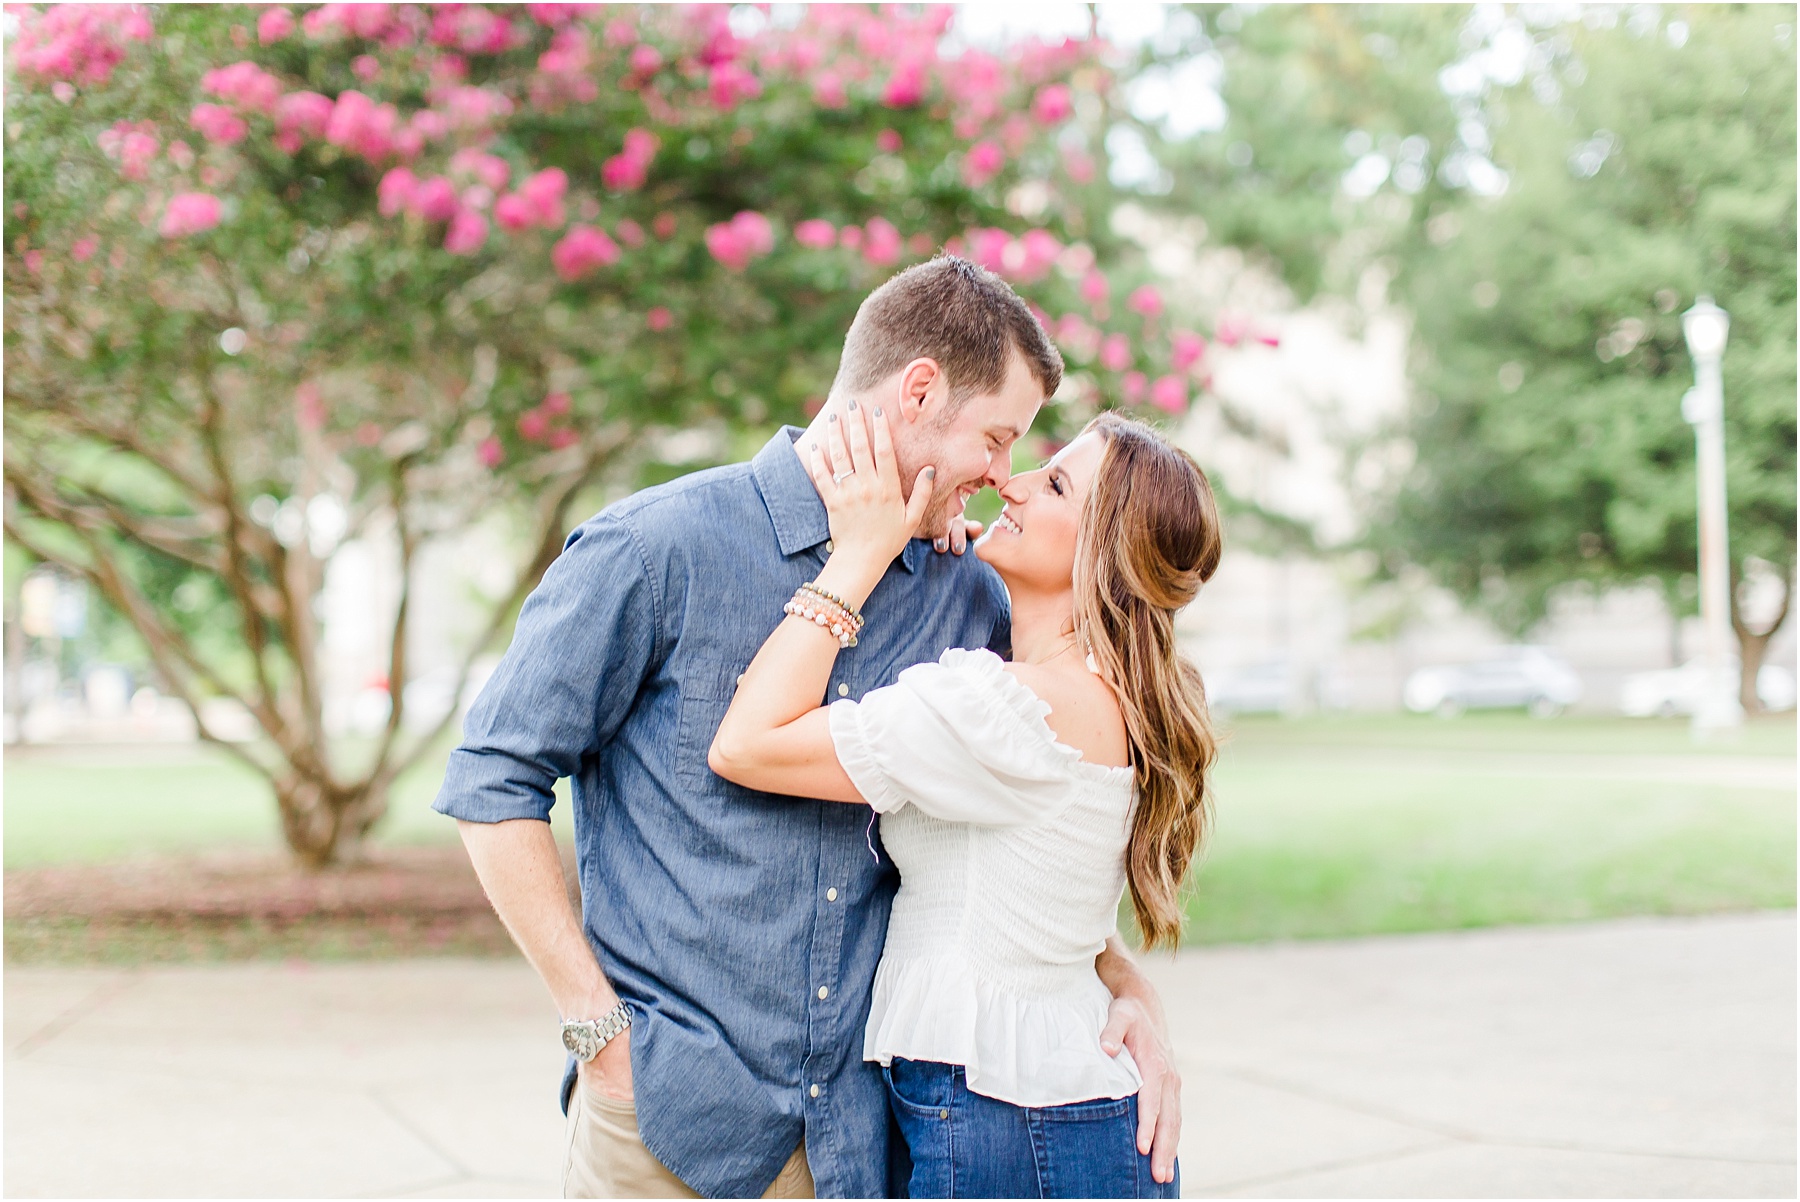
column 586, row 1036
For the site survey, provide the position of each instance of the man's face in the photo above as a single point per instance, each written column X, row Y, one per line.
column 973, row 449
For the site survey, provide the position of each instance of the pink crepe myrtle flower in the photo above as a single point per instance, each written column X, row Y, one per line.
column 1230, row 330
column 1095, row 287
column 1039, row 249
column 829, row 91
column 244, row 84
column 34, row 261
column 83, row 248
column 815, row 234
column 1132, row 385
column 663, row 226
column 544, row 192
column 581, row 250
column 137, row 150
column 629, row 232
column 982, row 163
column 475, row 163
column 881, row 243
column 467, row 233
column 659, row 318
column 217, row 123
column 906, row 86
column 1186, row 348
column 1115, row 353
column 490, row 452
column 476, row 196
column 309, row 406
column 888, row 141
column 190, row 213
column 730, row 84
column 366, row 67
column 1146, row 300
column 300, row 116
column 988, row 248
column 274, row 25
column 627, row 170
column 1053, row 104
column 1268, row 339
column 81, row 42
column 534, row 424
column 395, row 191
column 1170, row 394
column 850, row 237
column 434, row 199
column 746, row 236
column 514, row 212
column 562, row 437
column 181, row 154
column 621, row 32
column 555, row 402
column 645, row 59
column 1079, row 165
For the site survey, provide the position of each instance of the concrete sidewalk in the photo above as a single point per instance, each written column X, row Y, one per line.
column 1643, row 1058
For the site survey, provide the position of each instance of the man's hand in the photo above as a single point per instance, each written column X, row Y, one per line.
column 1129, row 1024
column 957, row 538
column 609, row 1072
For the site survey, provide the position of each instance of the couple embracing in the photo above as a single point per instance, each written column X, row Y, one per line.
column 853, row 813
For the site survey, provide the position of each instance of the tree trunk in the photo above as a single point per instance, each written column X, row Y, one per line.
column 325, row 823
column 1753, row 644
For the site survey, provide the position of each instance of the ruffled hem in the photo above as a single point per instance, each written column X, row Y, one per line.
column 1026, row 1049
column 1031, row 710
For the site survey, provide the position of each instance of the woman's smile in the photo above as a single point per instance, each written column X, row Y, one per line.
column 1008, row 523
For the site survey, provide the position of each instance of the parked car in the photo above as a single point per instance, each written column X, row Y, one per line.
column 1534, row 678
column 1669, row 692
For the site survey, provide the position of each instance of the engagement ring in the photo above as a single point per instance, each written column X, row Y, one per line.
column 840, row 477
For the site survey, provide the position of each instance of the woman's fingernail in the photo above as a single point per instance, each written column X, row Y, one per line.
column 853, row 406
column 942, row 544
column 833, row 417
column 931, row 473
column 878, row 411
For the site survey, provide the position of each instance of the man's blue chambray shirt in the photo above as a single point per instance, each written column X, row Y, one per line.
column 743, row 927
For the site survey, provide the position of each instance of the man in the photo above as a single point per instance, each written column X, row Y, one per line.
column 728, row 942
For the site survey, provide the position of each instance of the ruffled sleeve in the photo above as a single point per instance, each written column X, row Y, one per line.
column 961, row 739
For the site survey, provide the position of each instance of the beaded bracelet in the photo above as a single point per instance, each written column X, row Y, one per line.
column 855, row 614
column 826, row 615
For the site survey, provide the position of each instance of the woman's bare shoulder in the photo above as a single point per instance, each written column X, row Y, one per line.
column 1084, row 713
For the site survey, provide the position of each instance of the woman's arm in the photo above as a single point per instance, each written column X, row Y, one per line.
column 775, row 736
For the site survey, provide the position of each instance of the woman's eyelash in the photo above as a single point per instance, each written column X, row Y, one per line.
column 1057, row 485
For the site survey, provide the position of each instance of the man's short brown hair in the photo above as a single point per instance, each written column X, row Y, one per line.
column 963, row 316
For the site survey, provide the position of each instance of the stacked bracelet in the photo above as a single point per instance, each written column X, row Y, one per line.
column 812, row 586
column 822, row 609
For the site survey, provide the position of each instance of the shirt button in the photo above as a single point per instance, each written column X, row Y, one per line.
column 824, row 993
column 830, row 546
column 831, row 894
column 740, row 678
column 814, row 1091
column 843, row 690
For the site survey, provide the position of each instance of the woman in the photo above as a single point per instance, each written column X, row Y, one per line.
column 1017, row 799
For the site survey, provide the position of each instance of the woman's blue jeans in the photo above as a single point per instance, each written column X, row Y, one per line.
column 966, row 1146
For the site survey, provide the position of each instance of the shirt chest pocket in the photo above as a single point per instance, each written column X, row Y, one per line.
column 707, row 688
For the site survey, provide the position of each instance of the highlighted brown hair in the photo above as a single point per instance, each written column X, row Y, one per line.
column 1149, row 539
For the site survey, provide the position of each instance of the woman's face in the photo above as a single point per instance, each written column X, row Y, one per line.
column 1032, row 542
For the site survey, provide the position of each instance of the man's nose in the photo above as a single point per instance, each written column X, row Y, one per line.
column 999, row 469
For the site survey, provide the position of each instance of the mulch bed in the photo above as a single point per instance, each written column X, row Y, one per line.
column 394, row 901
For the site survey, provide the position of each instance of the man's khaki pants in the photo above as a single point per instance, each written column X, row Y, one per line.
column 606, row 1159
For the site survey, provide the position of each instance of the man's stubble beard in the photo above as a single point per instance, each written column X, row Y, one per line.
column 944, row 502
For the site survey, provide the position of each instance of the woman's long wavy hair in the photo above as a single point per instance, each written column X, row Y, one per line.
column 1149, row 538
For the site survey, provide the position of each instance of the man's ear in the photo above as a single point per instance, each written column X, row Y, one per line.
column 920, row 388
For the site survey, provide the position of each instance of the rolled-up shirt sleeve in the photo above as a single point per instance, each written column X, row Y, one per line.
column 960, row 739
column 585, row 641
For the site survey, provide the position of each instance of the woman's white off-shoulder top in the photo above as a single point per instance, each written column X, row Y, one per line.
column 1011, row 850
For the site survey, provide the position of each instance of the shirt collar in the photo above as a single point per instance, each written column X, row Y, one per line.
column 795, row 508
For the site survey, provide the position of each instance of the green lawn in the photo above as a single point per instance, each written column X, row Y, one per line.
column 1328, row 826
column 68, row 805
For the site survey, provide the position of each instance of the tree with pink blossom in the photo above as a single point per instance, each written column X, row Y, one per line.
column 278, row 278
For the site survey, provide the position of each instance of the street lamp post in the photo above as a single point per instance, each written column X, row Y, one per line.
column 1706, row 327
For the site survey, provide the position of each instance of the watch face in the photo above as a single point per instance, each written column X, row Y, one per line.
column 580, row 1041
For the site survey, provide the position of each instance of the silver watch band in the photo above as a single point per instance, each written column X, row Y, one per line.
column 585, row 1037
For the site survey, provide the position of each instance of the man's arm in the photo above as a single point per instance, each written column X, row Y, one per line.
column 519, row 867
column 1136, row 1022
column 586, row 639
